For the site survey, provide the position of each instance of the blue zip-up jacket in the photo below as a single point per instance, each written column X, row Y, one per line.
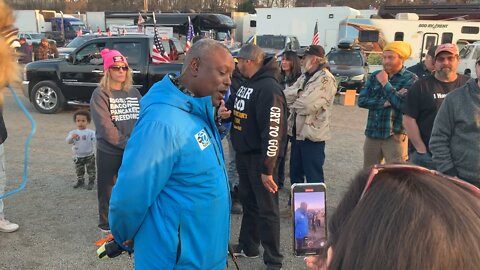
column 172, row 196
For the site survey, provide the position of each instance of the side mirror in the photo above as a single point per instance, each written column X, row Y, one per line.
column 70, row 57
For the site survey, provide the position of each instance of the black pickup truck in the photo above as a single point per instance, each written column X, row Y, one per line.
column 52, row 84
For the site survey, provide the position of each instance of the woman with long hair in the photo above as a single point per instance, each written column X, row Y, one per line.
column 404, row 217
column 290, row 68
column 115, row 107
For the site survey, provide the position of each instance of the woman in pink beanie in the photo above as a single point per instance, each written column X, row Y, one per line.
column 114, row 107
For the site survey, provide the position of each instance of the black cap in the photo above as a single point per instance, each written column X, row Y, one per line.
column 316, row 50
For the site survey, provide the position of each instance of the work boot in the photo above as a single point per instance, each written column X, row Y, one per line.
column 7, row 226
column 90, row 186
column 79, row 184
column 239, row 252
column 237, row 208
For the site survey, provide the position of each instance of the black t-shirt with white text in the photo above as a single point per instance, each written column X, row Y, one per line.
column 424, row 99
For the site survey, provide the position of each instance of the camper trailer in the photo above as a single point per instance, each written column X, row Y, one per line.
column 373, row 34
column 468, row 59
column 246, row 25
column 300, row 22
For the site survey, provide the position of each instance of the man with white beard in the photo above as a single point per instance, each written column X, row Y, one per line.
column 310, row 101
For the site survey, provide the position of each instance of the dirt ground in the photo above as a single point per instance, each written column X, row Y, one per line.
column 58, row 225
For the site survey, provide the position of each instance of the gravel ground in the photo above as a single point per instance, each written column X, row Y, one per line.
column 58, row 224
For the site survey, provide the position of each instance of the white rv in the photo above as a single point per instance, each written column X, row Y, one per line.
column 468, row 58
column 373, row 34
column 245, row 26
column 300, row 22
column 29, row 21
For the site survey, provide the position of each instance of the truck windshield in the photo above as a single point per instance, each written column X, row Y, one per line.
column 76, row 42
column 349, row 58
column 271, row 42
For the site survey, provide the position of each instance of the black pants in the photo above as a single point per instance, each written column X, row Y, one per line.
column 107, row 170
column 261, row 221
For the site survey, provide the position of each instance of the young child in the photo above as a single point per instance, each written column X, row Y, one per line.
column 83, row 141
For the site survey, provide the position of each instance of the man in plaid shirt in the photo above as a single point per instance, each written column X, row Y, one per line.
column 383, row 95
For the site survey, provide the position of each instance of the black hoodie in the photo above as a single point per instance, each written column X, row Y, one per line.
column 259, row 116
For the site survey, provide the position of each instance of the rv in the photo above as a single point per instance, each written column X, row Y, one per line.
column 468, row 59
column 372, row 34
column 300, row 22
column 29, row 21
column 213, row 25
column 246, row 25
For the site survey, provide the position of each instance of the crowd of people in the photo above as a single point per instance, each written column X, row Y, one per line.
column 163, row 188
column 33, row 52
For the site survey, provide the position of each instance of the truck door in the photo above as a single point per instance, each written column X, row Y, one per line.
column 81, row 74
column 135, row 53
column 429, row 40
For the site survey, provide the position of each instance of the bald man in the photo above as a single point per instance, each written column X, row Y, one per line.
column 172, row 197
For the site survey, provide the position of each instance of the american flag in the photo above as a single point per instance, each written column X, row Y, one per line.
column 159, row 55
column 190, row 34
column 316, row 37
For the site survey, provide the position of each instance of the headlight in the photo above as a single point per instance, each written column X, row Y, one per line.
column 358, row 77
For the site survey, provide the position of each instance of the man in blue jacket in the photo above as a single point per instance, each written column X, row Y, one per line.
column 172, row 198
column 301, row 225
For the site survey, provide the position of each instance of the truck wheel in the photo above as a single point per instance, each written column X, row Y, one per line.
column 47, row 97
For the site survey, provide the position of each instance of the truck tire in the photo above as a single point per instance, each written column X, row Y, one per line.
column 47, row 97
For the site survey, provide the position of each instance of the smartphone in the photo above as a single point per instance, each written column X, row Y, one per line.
column 309, row 218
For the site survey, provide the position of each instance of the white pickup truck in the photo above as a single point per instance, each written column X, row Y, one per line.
column 468, row 56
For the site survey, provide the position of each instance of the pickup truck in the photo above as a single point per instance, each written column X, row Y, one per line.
column 52, row 84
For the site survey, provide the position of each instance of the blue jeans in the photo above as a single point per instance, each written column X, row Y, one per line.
column 306, row 160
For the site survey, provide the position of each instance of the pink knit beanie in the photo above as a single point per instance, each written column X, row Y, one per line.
column 111, row 57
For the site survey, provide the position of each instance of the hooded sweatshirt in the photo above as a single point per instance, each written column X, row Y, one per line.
column 172, row 196
column 455, row 141
column 259, row 116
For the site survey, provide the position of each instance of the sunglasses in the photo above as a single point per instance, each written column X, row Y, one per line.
column 118, row 68
column 402, row 167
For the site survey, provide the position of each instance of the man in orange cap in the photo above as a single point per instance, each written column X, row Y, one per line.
column 383, row 96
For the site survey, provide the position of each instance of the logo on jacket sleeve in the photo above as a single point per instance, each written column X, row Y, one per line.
column 202, row 139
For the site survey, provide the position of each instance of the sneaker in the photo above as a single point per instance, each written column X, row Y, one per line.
column 286, row 212
column 106, row 232
column 78, row 184
column 238, row 252
column 7, row 226
column 90, row 186
column 104, row 228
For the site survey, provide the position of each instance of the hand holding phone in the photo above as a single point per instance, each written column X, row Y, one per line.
column 309, row 219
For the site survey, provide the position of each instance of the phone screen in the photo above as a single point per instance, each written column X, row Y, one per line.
column 309, row 218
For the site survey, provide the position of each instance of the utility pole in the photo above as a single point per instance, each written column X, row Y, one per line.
column 145, row 5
